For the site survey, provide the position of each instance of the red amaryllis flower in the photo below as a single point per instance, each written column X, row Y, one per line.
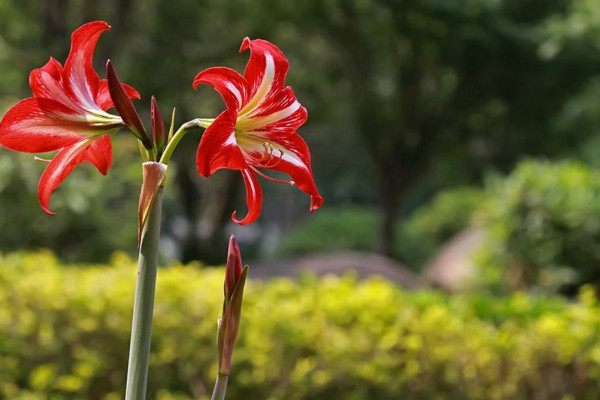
column 258, row 129
column 67, row 113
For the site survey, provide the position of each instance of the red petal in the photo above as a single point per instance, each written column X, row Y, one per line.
column 283, row 114
column 218, row 147
column 99, row 154
column 54, row 68
column 230, row 85
column 46, row 82
column 58, row 169
column 265, row 72
column 291, row 156
column 40, row 125
column 253, row 198
column 103, row 99
column 80, row 79
column 296, row 163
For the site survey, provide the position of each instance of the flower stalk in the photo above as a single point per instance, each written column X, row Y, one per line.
column 141, row 329
column 220, row 387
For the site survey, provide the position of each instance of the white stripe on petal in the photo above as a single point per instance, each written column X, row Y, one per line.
column 263, row 89
column 293, row 159
column 231, row 140
column 251, row 124
column 235, row 92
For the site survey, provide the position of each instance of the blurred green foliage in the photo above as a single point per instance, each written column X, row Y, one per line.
column 348, row 228
column 405, row 98
column 64, row 335
column 544, row 226
column 355, row 228
column 429, row 227
column 448, row 213
column 542, row 223
column 95, row 216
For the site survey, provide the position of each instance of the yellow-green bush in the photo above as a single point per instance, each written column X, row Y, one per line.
column 64, row 335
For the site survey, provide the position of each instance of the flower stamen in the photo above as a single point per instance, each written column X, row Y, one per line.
column 291, row 183
column 267, row 161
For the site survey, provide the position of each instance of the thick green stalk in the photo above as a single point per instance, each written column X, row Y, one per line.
column 220, row 387
column 143, row 307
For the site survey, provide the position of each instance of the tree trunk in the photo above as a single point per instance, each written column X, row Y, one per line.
column 391, row 189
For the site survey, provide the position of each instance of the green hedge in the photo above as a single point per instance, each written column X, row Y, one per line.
column 64, row 335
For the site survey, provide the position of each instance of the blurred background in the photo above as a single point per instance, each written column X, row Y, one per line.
column 420, row 115
column 455, row 143
column 415, row 106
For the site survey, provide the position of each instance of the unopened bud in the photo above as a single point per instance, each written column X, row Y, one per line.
column 158, row 126
column 125, row 107
column 233, row 269
column 235, row 280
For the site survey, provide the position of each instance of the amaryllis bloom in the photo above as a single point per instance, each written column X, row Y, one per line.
column 258, row 128
column 66, row 113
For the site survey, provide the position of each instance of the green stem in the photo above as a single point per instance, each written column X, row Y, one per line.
column 220, row 387
column 141, row 329
column 183, row 129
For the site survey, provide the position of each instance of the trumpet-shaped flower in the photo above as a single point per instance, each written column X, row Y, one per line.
column 258, row 128
column 66, row 113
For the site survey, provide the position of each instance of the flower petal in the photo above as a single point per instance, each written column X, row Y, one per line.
column 54, row 68
column 80, row 78
column 230, row 85
column 218, row 147
column 296, row 163
column 58, row 169
column 40, row 125
column 290, row 155
column 103, row 99
column 99, row 154
column 46, row 82
column 282, row 114
column 265, row 72
column 253, row 198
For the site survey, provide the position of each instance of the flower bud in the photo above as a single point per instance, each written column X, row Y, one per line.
column 233, row 288
column 233, row 270
column 158, row 126
column 125, row 107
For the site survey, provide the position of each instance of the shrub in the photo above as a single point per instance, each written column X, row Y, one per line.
column 447, row 214
column 64, row 335
column 434, row 223
column 350, row 228
column 356, row 228
column 544, row 221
